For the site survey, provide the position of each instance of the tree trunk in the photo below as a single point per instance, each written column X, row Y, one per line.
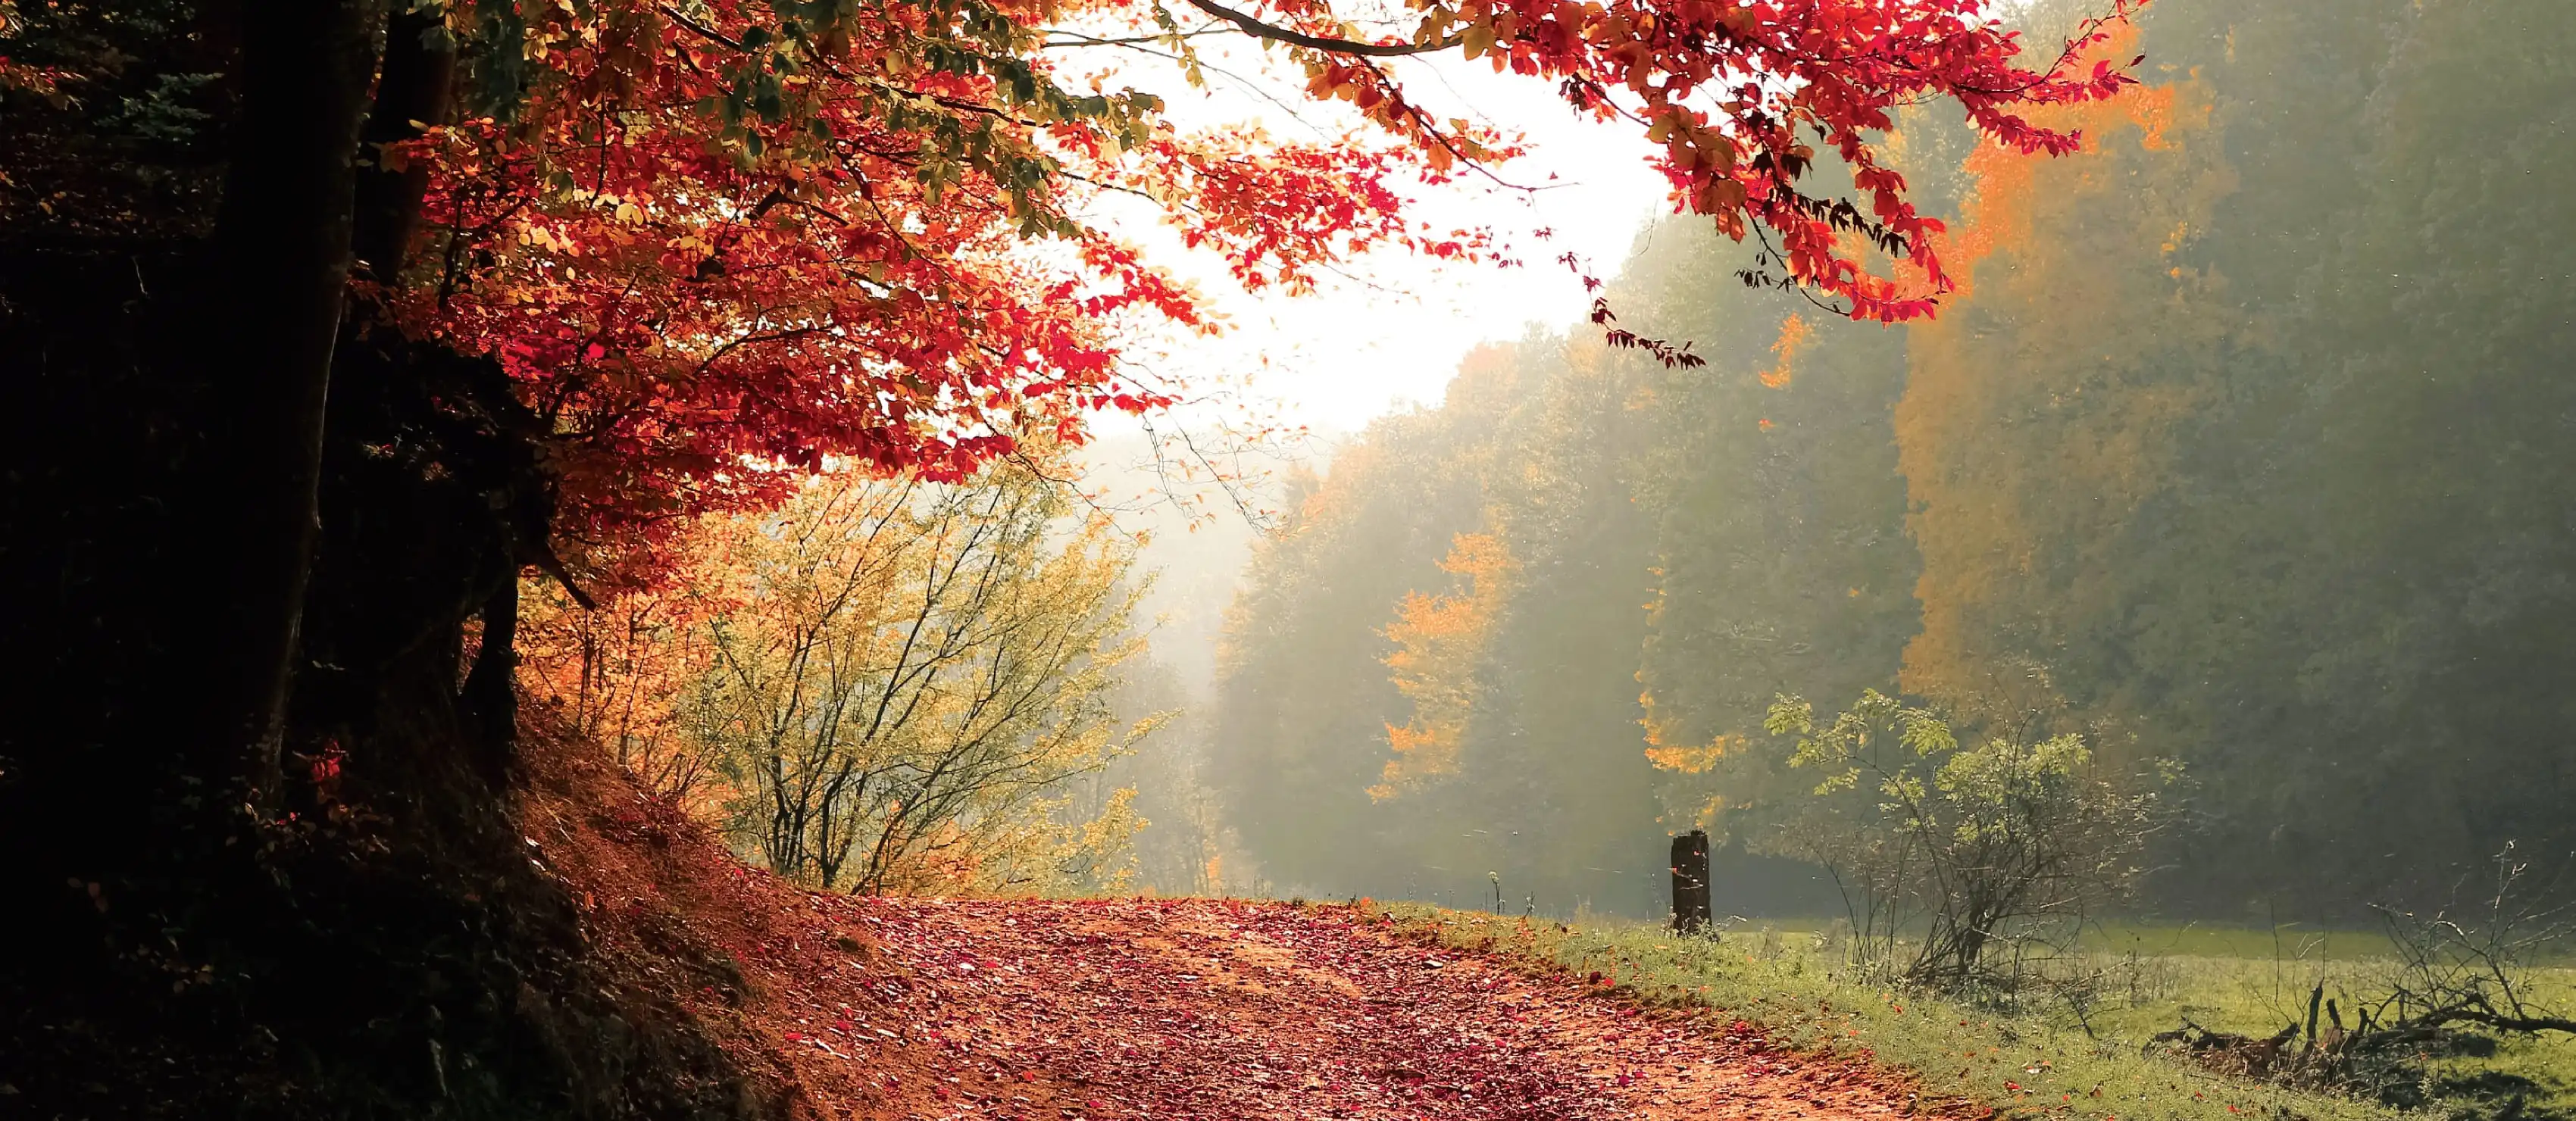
column 490, row 696
column 235, row 522
column 1690, row 882
column 162, row 459
column 282, row 244
column 417, row 88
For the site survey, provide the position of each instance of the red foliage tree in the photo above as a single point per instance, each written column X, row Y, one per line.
column 712, row 246
column 712, row 251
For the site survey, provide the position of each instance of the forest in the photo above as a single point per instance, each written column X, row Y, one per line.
column 716, row 559
column 2234, row 450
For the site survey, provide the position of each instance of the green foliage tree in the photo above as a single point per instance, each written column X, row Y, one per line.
column 1779, row 557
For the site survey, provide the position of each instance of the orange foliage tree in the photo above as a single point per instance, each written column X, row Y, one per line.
column 1438, row 643
column 2021, row 536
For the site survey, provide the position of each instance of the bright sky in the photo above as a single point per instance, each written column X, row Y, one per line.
column 1388, row 336
column 1393, row 333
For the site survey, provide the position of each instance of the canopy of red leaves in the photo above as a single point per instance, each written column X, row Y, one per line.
column 717, row 243
column 1733, row 90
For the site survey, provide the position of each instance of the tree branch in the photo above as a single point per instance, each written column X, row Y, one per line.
column 1277, row 34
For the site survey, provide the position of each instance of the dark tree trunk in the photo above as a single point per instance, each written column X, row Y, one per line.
column 491, row 696
column 1690, row 882
column 282, row 243
column 417, row 88
column 163, row 459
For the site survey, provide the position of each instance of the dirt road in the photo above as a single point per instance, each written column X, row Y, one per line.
column 1231, row 1011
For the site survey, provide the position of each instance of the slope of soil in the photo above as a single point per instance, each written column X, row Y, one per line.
column 684, row 984
column 433, row 952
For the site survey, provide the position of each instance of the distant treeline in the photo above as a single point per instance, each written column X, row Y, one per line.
column 2250, row 441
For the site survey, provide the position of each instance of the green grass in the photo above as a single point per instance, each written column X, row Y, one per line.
column 2236, row 980
column 2039, row 1062
column 2289, row 942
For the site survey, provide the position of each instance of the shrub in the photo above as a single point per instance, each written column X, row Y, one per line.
column 1945, row 852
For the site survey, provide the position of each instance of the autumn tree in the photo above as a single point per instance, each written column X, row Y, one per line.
column 1778, row 551
column 1441, row 642
column 618, row 673
column 1488, row 563
column 909, row 673
column 885, row 685
column 2270, row 517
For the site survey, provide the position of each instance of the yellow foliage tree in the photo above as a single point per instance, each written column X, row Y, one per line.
column 886, row 686
column 615, row 675
column 1438, row 643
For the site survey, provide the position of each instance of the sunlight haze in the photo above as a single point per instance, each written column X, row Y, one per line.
column 1391, row 329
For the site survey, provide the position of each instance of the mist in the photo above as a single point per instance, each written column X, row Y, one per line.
column 2241, row 447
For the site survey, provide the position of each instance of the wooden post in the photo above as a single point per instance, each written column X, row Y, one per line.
column 1690, row 881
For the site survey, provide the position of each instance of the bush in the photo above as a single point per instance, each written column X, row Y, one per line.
column 1946, row 852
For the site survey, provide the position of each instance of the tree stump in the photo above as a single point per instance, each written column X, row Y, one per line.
column 1690, row 882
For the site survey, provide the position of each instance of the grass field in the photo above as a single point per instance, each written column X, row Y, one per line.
column 2052, row 1056
column 2256, row 981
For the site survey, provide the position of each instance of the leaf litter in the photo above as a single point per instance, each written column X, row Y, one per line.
column 883, row 1009
column 1227, row 1009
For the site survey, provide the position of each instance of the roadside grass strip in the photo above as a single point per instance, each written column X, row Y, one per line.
column 2018, row 1066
